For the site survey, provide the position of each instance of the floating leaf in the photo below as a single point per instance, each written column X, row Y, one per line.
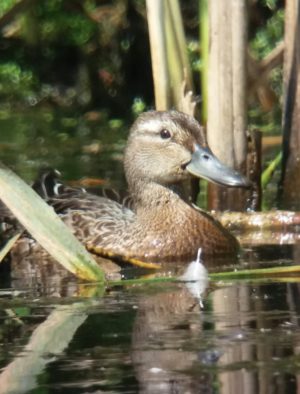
column 257, row 273
column 280, row 273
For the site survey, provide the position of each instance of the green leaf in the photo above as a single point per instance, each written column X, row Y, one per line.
column 45, row 226
column 276, row 273
column 279, row 272
column 22, row 311
column 268, row 172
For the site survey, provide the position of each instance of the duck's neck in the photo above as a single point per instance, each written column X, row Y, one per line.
column 151, row 195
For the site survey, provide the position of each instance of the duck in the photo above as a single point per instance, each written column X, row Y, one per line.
column 164, row 151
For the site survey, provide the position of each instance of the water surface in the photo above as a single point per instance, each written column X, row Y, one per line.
column 61, row 336
column 243, row 337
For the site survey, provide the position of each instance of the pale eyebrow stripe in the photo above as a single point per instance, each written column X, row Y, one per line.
column 152, row 126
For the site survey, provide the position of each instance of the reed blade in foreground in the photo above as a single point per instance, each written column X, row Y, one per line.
column 46, row 227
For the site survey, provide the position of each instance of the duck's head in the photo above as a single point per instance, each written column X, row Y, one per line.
column 167, row 147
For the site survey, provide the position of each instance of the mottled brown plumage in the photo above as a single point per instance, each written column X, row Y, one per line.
column 161, row 225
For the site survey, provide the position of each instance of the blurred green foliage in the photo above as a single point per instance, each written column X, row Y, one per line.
column 269, row 35
column 93, row 54
column 265, row 38
column 5, row 5
column 14, row 82
column 74, row 53
column 55, row 22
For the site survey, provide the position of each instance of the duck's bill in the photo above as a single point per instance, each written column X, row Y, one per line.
column 205, row 165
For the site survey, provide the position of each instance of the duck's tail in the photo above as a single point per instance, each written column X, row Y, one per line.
column 48, row 183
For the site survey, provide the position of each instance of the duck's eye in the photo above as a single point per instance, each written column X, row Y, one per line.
column 165, row 134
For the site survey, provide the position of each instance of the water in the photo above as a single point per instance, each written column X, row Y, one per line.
column 61, row 336
column 76, row 146
column 154, row 339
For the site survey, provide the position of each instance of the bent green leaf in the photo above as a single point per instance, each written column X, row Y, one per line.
column 45, row 226
column 268, row 172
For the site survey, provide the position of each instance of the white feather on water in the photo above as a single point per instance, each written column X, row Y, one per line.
column 196, row 278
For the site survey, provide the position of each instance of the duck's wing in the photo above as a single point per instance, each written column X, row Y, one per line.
column 65, row 199
column 78, row 208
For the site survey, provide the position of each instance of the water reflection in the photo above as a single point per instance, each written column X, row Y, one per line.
column 163, row 323
column 167, row 318
column 69, row 142
column 155, row 339
column 46, row 343
column 240, row 343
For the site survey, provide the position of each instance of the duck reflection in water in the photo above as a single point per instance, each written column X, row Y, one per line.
column 164, row 322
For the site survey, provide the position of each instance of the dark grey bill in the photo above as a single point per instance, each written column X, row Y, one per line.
column 204, row 164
